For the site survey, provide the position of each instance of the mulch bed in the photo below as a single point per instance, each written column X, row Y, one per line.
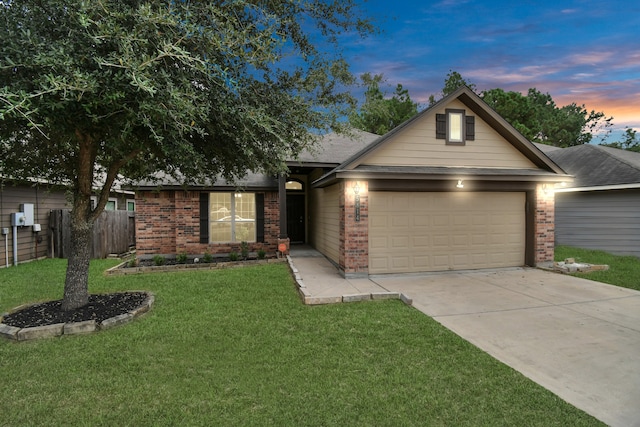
column 100, row 308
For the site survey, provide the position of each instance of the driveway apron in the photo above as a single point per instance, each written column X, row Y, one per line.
column 578, row 338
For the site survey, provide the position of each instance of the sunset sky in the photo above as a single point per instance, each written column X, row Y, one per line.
column 581, row 51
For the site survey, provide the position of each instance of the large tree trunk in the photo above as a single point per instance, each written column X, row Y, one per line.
column 76, row 285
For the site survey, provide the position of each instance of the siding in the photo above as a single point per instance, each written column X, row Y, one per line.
column 417, row 146
column 30, row 245
column 325, row 224
column 605, row 220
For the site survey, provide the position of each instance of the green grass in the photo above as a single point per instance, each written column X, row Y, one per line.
column 237, row 348
column 623, row 270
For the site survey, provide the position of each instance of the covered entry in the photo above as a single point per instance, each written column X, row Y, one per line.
column 438, row 231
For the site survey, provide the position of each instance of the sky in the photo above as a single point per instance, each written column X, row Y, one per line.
column 581, row 51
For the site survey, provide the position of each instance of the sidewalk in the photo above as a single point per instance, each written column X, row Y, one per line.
column 320, row 282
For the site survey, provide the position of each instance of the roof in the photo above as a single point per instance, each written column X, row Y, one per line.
column 595, row 165
column 333, row 148
column 254, row 181
column 480, row 108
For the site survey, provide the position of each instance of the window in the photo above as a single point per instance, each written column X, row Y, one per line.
column 294, row 185
column 131, row 205
column 111, row 205
column 232, row 217
column 455, row 127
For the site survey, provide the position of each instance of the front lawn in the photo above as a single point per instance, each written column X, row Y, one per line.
column 236, row 347
column 623, row 270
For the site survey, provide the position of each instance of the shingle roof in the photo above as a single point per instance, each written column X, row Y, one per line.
column 335, row 148
column 251, row 180
column 595, row 165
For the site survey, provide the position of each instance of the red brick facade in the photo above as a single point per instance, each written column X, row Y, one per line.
column 168, row 222
column 354, row 235
column 544, row 224
column 354, row 228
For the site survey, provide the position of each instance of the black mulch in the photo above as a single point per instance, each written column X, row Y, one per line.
column 100, row 307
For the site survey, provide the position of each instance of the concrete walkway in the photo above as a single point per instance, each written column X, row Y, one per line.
column 578, row 338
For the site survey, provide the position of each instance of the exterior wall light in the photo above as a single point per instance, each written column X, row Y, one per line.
column 356, row 191
column 459, row 184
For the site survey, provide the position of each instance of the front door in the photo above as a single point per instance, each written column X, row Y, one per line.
column 295, row 218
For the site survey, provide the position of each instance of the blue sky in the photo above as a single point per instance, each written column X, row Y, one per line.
column 581, row 51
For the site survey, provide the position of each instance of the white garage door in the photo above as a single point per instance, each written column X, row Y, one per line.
column 418, row 232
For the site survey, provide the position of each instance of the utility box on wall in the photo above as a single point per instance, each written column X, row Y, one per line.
column 27, row 209
column 17, row 219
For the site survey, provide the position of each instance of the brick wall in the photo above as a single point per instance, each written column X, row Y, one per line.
column 168, row 222
column 544, row 224
column 354, row 229
column 155, row 223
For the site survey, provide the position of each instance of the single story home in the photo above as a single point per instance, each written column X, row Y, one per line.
column 601, row 209
column 455, row 187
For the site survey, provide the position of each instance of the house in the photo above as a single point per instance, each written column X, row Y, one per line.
column 37, row 238
column 601, row 209
column 455, row 187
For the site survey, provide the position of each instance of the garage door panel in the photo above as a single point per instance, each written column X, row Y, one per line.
column 414, row 232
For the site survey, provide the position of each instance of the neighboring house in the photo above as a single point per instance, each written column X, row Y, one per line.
column 31, row 242
column 601, row 209
column 456, row 187
column 35, row 241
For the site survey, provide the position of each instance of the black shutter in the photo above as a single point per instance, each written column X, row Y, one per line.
column 441, row 126
column 470, row 126
column 260, row 217
column 204, row 217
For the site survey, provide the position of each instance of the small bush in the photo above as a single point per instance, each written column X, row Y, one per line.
column 207, row 257
column 244, row 250
column 158, row 260
column 233, row 256
column 132, row 262
column 181, row 258
column 261, row 254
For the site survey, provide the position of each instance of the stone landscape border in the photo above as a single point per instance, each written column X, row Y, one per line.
column 121, row 268
column 309, row 299
column 72, row 328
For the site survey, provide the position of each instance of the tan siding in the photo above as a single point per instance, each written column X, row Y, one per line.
column 30, row 245
column 325, row 221
column 418, row 146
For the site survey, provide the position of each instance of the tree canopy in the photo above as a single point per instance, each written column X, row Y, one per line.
column 451, row 83
column 631, row 142
column 191, row 88
column 379, row 113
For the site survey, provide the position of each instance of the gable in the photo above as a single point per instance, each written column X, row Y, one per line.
column 417, row 145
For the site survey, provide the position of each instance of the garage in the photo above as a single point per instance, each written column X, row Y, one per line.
column 412, row 232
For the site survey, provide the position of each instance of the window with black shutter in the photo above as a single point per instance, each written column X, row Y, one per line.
column 455, row 127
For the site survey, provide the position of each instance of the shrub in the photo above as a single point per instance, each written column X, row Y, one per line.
column 158, row 260
column 207, row 257
column 233, row 256
column 261, row 254
column 244, row 249
column 181, row 258
column 132, row 262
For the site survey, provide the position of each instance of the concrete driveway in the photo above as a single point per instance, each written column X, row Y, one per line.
column 578, row 338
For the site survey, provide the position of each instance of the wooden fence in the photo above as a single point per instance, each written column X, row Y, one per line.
column 113, row 233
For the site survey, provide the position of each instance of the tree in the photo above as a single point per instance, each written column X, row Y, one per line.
column 194, row 89
column 379, row 114
column 453, row 81
column 538, row 118
column 630, row 142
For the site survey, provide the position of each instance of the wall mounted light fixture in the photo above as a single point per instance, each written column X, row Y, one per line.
column 356, row 191
column 460, row 184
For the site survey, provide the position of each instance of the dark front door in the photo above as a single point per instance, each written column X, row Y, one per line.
column 295, row 218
